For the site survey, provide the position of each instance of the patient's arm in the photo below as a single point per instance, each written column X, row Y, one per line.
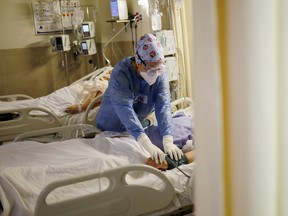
column 82, row 107
column 101, row 87
column 164, row 166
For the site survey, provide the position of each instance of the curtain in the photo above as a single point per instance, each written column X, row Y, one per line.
column 181, row 24
column 240, row 91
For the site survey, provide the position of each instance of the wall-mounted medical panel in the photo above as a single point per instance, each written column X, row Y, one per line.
column 52, row 17
column 171, row 63
column 167, row 39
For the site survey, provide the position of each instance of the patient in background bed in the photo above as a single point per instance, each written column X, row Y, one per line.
column 99, row 89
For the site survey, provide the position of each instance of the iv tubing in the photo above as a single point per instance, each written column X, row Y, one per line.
column 106, row 44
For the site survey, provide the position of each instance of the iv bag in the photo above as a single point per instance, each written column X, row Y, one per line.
column 156, row 21
column 77, row 18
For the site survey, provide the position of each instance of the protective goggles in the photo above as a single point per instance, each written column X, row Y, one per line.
column 159, row 70
column 151, row 71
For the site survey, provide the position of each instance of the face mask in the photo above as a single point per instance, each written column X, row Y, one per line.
column 152, row 73
column 150, row 78
column 159, row 70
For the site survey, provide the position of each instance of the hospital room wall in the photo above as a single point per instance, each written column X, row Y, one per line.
column 28, row 66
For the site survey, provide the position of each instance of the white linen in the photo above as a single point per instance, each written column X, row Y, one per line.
column 58, row 101
column 26, row 167
column 55, row 102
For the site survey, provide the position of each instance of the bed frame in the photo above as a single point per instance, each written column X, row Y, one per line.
column 119, row 199
column 59, row 133
column 184, row 104
column 23, row 121
column 14, row 97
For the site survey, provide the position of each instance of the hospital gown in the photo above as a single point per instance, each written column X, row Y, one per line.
column 128, row 101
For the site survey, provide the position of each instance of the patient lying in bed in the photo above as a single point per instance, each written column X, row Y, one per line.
column 68, row 100
column 95, row 91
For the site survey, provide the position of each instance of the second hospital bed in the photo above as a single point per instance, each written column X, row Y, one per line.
column 104, row 175
column 21, row 113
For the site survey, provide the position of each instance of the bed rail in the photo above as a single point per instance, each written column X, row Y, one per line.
column 120, row 198
column 93, row 74
column 24, row 121
column 184, row 103
column 58, row 133
column 14, row 97
column 181, row 103
column 92, row 120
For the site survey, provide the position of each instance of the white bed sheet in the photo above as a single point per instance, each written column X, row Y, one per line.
column 26, row 167
column 59, row 100
column 55, row 102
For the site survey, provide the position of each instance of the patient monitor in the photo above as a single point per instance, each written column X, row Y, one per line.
column 60, row 42
column 119, row 9
column 88, row 29
column 88, row 47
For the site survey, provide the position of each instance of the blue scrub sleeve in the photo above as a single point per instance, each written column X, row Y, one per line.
column 122, row 100
column 163, row 108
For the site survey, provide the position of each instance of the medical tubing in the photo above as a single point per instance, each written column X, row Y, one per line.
column 169, row 160
column 105, row 45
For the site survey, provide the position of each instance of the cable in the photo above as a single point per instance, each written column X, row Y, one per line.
column 105, row 45
column 178, row 167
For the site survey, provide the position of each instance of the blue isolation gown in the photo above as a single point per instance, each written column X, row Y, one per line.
column 129, row 99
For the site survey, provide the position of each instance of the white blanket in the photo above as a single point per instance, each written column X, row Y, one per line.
column 27, row 167
column 59, row 100
column 55, row 102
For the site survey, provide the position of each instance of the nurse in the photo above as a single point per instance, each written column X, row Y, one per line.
column 138, row 86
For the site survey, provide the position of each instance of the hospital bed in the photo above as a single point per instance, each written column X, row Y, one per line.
column 101, row 175
column 21, row 113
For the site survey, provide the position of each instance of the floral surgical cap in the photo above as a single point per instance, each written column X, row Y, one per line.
column 148, row 49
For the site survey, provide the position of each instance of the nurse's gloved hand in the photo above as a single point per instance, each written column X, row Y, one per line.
column 156, row 154
column 170, row 148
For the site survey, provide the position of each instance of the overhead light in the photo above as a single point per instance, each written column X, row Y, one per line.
column 142, row 2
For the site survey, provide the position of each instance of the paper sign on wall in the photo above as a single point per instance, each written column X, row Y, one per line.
column 53, row 17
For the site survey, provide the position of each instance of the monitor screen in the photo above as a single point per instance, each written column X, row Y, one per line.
column 84, row 47
column 59, row 44
column 114, row 8
column 85, row 30
column 85, row 27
